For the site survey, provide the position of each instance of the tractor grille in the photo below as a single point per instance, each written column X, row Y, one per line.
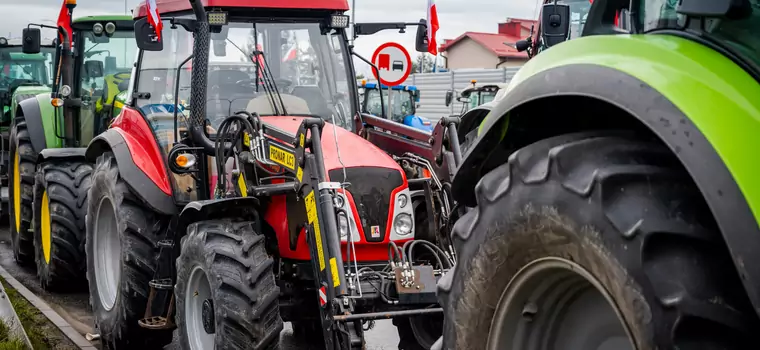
column 371, row 189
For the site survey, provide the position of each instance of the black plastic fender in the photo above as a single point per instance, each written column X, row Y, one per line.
column 241, row 207
column 30, row 109
column 729, row 207
column 140, row 184
column 61, row 153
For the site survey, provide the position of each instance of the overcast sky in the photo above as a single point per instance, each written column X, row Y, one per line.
column 455, row 16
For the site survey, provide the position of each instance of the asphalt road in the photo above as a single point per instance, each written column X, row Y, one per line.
column 75, row 307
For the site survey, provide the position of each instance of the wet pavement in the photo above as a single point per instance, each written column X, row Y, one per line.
column 74, row 306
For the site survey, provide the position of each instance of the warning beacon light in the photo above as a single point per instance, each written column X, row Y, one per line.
column 338, row 21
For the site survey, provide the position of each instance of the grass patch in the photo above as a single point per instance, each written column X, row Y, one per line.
column 41, row 332
column 7, row 342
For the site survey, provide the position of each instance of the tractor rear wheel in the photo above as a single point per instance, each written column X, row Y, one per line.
column 226, row 293
column 121, row 238
column 20, row 192
column 60, row 198
column 592, row 241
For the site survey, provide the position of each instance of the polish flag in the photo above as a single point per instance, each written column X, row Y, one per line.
column 64, row 21
column 153, row 18
column 432, row 23
column 291, row 54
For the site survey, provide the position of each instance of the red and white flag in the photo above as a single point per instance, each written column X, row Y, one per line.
column 432, row 23
column 154, row 18
column 291, row 54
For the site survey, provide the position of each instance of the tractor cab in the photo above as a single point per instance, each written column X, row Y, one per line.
column 406, row 99
column 475, row 95
column 25, row 73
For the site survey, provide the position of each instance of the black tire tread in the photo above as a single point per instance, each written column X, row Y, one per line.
column 242, row 281
column 140, row 230
column 67, row 184
column 21, row 142
column 632, row 203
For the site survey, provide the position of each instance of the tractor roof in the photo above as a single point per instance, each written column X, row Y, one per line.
column 20, row 56
column 168, row 6
column 396, row 87
column 102, row 18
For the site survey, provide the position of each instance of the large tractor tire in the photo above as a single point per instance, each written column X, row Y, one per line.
column 21, row 193
column 60, row 199
column 227, row 297
column 122, row 235
column 592, row 241
column 418, row 332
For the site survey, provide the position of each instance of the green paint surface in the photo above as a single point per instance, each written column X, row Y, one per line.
column 719, row 97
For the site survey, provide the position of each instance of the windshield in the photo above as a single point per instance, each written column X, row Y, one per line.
column 307, row 68
column 104, row 69
column 741, row 36
column 481, row 97
column 578, row 12
column 402, row 104
column 17, row 67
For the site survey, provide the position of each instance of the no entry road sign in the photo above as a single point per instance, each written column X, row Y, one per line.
column 393, row 62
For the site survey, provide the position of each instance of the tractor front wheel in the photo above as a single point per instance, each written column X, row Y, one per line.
column 20, row 192
column 121, row 261
column 226, row 293
column 418, row 332
column 60, row 198
column 592, row 241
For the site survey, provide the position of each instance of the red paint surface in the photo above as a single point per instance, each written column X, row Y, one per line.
column 355, row 152
column 143, row 146
column 167, row 6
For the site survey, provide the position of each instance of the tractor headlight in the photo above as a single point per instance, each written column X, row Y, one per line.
column 403, row 224
column 3, row 41
column 97, row 29
column 110, row 28
column 402, row 200
column 338, row 201
column 343, row 225
column 338, row 21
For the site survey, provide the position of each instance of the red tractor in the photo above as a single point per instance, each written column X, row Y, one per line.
column 226, row 201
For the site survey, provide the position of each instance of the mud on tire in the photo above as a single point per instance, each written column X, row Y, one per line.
column 242, row 285
column 137, row 230
column 622, row 209
column 23, row 156
column 60, row 191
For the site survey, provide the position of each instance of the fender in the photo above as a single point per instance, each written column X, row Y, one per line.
column 48, row 154
column 142, row 185
column 32, row 110
column 699, row 103
column 243, row 207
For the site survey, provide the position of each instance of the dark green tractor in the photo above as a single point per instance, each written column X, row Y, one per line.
column 22, row 76
column 49, row 175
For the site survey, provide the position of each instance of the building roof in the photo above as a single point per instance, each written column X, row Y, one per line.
column 493, row 42
column 501, row 43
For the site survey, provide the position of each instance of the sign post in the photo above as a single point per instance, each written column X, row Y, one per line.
column 394, row 65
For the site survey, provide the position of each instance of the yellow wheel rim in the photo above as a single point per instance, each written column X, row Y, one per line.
column 47, row 237
column 17, row 192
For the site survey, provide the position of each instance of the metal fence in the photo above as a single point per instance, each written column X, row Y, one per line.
column 433, row 87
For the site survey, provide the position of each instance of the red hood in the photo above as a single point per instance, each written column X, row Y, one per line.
column 354, row 150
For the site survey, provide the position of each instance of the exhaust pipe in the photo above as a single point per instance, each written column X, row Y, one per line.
column 199, row 79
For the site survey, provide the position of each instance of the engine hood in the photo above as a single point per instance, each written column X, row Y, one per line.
column 354, row 150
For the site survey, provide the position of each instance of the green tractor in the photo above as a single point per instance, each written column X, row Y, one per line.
column 49, row 175
column 613, row 192
column 21, row 76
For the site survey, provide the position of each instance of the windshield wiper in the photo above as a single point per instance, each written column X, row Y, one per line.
column 270, row 87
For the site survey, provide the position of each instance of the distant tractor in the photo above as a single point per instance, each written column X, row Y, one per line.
column 406, row 99
column 22, row 76
column 50, row 175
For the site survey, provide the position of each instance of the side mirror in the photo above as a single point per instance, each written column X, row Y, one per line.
column 421, row 40
column 110, row 64
column 449, row 97
column 522, row 45
column 93, row 68
column 416, row 95
column 220, row 48
column 145, row 36
column 31, row 40
column 555, row 23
